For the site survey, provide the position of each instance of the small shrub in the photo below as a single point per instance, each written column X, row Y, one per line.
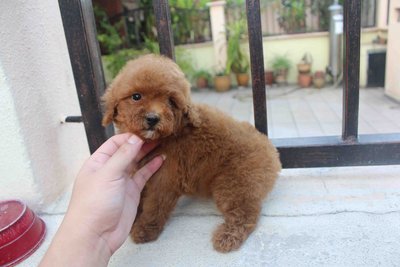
column 280, row 62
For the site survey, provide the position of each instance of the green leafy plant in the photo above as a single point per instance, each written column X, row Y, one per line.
column 202, row 78
column 237, row 60
column 202, row 73
column 151, row 45
column 235, row 2
column 221, row 72
column 183, row 59
column 280, row 62
column 292, row 15
column 115, row 61
column 189, row 3
column 321, row 9
column 188, row 24
column 107, row 34
column 185, row 62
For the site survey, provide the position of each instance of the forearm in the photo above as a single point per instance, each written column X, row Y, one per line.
column 73, row 245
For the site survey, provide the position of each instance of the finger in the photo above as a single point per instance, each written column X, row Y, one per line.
column 117, row 166
column 144, row 174
column 146, row 148
column 106, row 150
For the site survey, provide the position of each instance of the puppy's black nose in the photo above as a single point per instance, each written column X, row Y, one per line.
column 152, row 119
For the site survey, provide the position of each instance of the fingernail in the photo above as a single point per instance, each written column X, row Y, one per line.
column 134, row 140
column 163, row 156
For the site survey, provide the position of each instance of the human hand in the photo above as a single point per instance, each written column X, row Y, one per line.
column 105, row 197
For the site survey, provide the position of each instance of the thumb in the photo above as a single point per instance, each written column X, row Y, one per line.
column 118, row 164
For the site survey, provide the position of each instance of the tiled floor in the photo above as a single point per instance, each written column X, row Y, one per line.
column 294, row 112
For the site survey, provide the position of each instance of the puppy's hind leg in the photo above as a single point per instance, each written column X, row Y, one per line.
column 241, row 211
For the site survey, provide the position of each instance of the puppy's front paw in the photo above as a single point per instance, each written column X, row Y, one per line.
column 226, row 239
column 144, row 233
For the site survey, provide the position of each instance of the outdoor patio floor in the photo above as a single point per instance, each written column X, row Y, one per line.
column 313, row 217
column 296, row 112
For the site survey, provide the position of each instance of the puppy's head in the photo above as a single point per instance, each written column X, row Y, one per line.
column 150, row 97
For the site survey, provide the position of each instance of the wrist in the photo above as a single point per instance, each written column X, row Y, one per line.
column 76, row 244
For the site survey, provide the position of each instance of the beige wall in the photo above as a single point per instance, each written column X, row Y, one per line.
column 392, row 83
column 294, row 46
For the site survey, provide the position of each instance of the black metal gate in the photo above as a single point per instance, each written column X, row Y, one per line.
column 349, row 149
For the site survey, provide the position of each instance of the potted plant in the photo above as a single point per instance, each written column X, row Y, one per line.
column 281, row 65
column 304, row 80
column 319, row 79
column 222, row 81
column 242, row 74
column 237, row 60
column 304, row 67
column 202, row 78
column 269, row 77
column 305, row 63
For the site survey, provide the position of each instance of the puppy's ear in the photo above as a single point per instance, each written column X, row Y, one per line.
column 191, row 115
column 109, row 105
column 183, row 103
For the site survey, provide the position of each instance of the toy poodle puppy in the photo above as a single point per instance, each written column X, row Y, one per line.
column 208, row 154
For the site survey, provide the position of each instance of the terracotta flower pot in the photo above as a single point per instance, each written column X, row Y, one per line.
column 319, row 74
column 201, row 82
column 304, row 80
column 319, row 82
column 304, row 67
column 281, row 76
column 269, row 77
column 319, row 79
column 222, row 83
column 242, row 79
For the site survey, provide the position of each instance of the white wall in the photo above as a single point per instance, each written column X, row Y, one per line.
column 39, row 156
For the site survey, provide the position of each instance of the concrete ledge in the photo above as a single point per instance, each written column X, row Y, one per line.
column 313, row 217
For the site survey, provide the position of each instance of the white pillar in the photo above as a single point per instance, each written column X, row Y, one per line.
column 382, row 14
column 39, row 156
column 392, row 81
column 217, row 16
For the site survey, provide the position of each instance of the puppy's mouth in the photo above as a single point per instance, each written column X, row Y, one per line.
column 150, row 133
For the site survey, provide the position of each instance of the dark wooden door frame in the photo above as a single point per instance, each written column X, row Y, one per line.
column 350, row 149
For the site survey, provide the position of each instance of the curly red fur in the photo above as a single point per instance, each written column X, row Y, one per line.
column 208, row 153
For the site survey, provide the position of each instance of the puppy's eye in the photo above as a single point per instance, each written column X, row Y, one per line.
column 136, row 96
column 172, row 102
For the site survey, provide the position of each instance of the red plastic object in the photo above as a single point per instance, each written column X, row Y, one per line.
column 21, row 232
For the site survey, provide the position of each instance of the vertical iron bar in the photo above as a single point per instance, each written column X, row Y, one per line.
column 351, row 68
column 375, row 10
column 365, row 17
column 257, row 65
column 210, row 37
column 84, row 53
column 164, row 31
